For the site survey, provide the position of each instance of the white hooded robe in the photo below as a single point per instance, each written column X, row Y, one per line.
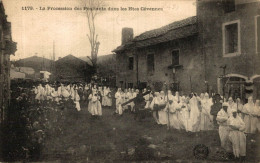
column 222, row 118
column 237, row 136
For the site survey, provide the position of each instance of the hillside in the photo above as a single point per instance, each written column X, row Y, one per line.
column 35, row 62
column 71, row 66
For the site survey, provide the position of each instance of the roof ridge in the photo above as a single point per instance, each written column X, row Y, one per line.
column 174, row 30
column 138, row 38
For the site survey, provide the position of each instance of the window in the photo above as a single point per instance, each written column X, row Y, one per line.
column 231, row 39
column 257, row 32
column 150, row 62
column 175, row 57
column 229, row 6
column 131, row 63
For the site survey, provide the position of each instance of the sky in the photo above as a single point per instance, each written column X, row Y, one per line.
column 36, row 30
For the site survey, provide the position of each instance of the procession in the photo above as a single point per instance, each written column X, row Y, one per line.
column 193, row 113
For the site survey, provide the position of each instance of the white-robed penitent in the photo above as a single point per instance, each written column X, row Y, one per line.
column 248, row 110
column 223, row 130
column 40, row 93
column 76, row 101
column 94, row 106
column 173, row 119
column 177, row 105
column 184, row 114
column 35, row 90
column 48, row 90
column 59, row 90
column 163, row 115
column 65, row 93
column 206, row 121
column 179, row 112
column 106, row 100
column 257, row 105
column 155, row 102
column 119, row 101
column 237, row 136
column 231, row 106
column 255, row 118
column 194, row 115
column 55, row 96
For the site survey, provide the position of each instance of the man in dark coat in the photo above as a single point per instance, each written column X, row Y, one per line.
column 139, row 106
column 81, row 93
column 215, row 108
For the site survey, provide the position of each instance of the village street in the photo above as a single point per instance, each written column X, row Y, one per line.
column 124, row 139
column 69, row 135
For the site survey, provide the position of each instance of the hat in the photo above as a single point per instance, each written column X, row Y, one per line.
column 234, row 111
column 250, row 98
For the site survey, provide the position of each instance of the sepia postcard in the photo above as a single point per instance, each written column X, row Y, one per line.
column 130, row 81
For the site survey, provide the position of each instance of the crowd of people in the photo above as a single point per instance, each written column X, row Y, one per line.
column 79, row 95
column 192, row 113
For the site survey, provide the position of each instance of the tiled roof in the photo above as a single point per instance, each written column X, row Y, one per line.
column 171, row 35
column 175, row 30
column 163, row 30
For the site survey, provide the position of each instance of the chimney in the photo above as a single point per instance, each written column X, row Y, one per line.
column 127, row 35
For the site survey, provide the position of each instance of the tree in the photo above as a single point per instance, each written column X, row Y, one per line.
column 92, row 9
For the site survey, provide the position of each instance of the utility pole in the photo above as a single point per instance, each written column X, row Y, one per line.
column 43, row 65
column 53, row 57
column 190, row 85
column 224, row 74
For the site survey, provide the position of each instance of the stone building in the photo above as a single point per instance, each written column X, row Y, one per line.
column 229, row 32
column 217, row 50
column 8, row 47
